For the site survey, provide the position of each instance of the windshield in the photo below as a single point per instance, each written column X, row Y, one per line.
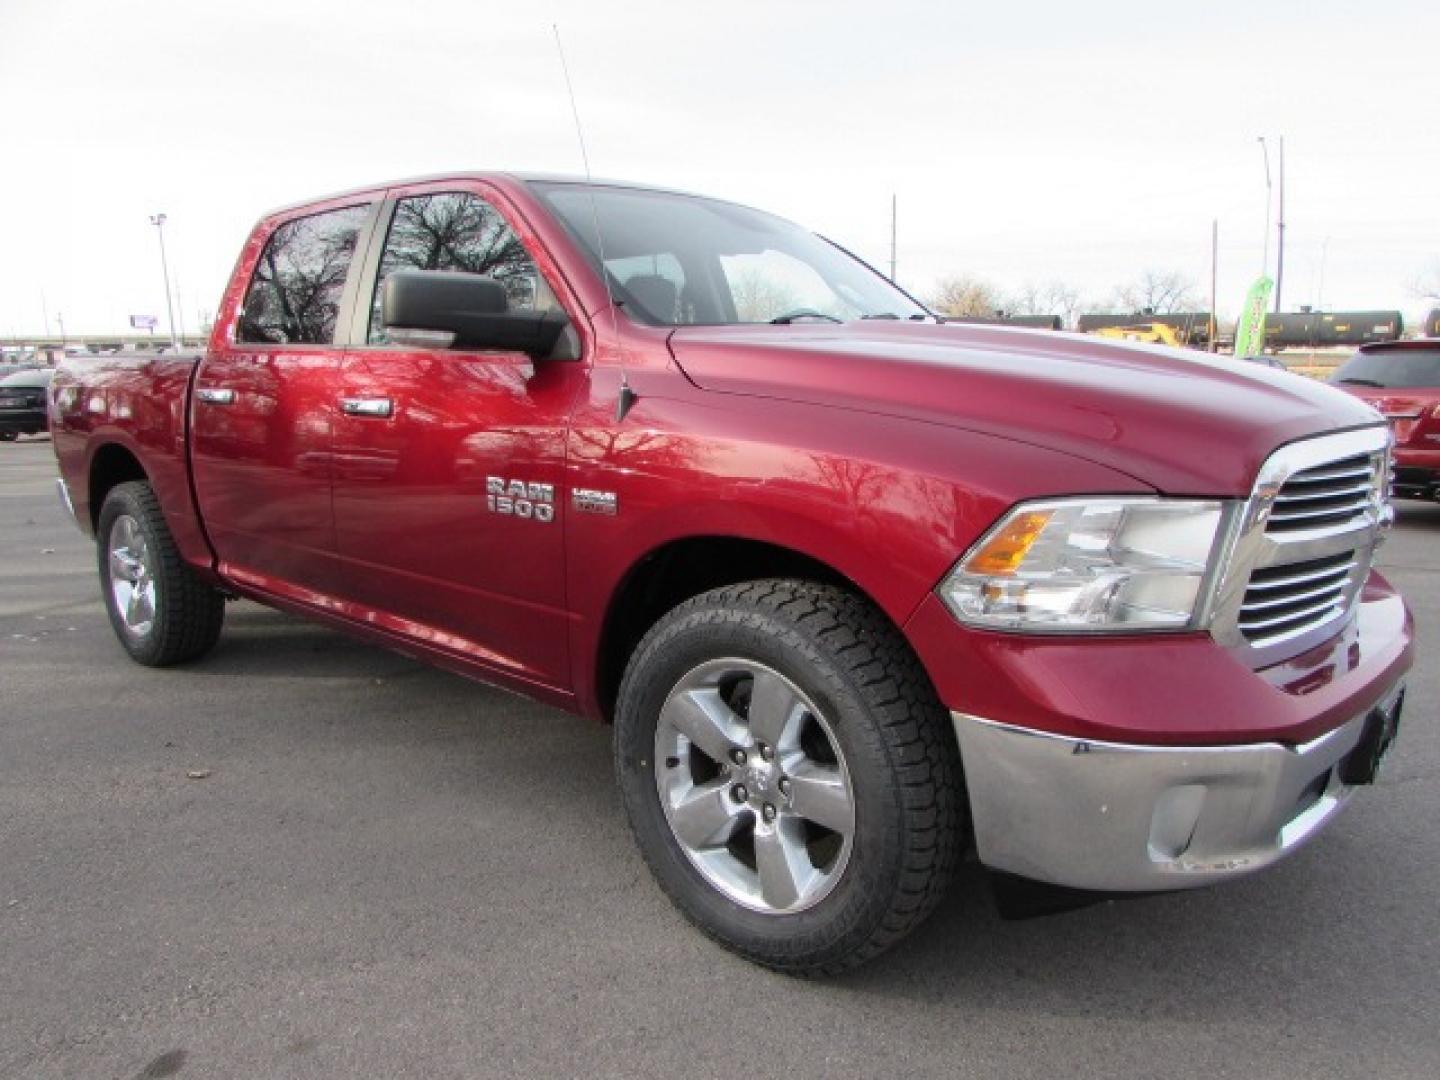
column 677, row 260
column 1391, row 368
column 28, row 378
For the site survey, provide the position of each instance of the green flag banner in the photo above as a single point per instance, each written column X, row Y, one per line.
column 1250, row 330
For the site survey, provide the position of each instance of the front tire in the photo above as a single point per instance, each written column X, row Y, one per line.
column 789, row 774
column 160, row 610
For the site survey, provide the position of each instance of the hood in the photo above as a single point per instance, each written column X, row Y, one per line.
column 1180, row 421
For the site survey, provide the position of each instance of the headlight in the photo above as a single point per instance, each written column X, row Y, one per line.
column 1087, row 565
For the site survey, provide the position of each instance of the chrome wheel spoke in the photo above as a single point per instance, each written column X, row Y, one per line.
column 774, row 708
column 818, row 793
column 123, row 566
column 702, row 716
column 756, row 794
column 132, row 588
column 707, row 817
column 142, row 605
column 780, row 860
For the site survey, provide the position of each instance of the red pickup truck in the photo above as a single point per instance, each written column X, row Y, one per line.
column 856, row 588
column 1402, row 380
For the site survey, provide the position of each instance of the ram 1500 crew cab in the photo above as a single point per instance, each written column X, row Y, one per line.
column 856, row 588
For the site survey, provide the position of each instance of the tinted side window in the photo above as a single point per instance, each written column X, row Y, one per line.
column 294, row 296
column 461, row 232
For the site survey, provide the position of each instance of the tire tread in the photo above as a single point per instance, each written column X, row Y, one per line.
column 192, row 612
column 914, row 735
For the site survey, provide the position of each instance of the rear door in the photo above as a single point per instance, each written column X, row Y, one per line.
column 265, row 402
column 449, row 507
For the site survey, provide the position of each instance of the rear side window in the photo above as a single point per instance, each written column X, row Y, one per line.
column 1388, row 368
column 460, row 232
column 294, row 295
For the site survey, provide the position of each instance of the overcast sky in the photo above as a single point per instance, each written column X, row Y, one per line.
column 1083, row 142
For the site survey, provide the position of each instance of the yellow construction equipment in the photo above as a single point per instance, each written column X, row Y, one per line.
column 1154, row 333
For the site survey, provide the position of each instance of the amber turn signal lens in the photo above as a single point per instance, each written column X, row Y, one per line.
column 1003, row 553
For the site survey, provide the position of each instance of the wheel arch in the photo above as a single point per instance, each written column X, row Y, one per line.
column 681, row 568
column 112, row 464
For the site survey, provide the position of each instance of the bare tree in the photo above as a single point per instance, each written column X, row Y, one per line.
column 759, row 297
column 1051, row 298
column 1427, row 285
column 966, row 296
column 1160, row 291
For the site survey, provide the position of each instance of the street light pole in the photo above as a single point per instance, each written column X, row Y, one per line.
column 1269, row 198
column 1280, row 247
column 158, row 220
column 1320, row 285
column 1214, row 282
column 894, row 215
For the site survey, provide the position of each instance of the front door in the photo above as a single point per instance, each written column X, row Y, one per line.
column 449, row 464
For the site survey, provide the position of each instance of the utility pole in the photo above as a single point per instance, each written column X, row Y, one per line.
column 1320, row 285
column 1269, row 199
column 158, row 220
column 1280, row 248
column 894, row 213
column 1214, row 280
column 180, row 307
column 45, row 312
column 60, row 318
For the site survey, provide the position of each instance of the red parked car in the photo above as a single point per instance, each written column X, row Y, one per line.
column 1402, row 380
column 856, row 588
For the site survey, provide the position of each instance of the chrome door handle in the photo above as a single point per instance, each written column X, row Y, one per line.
column 215, row 396
column 382, row 407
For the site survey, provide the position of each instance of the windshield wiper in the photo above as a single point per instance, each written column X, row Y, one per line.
column 892, row 315
column 802, row 313
column 1362, row 382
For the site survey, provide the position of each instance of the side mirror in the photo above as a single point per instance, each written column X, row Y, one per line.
column 470, row 311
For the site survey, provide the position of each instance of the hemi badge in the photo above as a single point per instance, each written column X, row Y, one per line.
column 590, row 501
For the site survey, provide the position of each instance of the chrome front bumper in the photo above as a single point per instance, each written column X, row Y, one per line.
column 1117, row 817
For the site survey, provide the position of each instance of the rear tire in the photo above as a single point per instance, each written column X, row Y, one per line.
column 788, row 716
column 9, row 436
column 160, row 610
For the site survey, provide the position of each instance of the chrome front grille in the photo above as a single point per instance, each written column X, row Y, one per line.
column 1337, row 493
column 1291, row 598
column 1304, row 543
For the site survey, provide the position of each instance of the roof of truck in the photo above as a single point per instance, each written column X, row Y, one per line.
column 522, row 177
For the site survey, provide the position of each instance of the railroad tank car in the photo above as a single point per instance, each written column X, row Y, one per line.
column 1192, row 327
column 1033, row 322
column 1323, row 329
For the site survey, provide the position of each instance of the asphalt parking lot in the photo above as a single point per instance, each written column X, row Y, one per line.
column 390, row 871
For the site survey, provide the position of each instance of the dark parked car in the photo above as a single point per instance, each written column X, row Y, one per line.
column 22, row 403
column 1266, row 360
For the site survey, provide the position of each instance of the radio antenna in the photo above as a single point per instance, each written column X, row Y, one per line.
column 626, row 397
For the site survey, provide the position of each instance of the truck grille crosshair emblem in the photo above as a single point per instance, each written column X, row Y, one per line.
column 517, row 498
